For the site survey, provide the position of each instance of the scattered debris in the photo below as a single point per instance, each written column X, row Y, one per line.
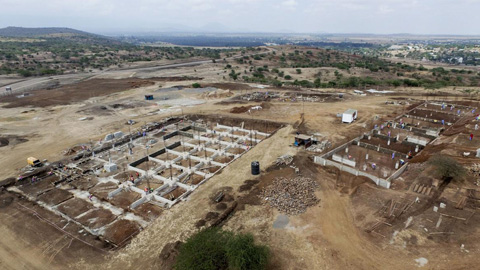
column 219, row 197
column 421, row 262
column 319, row 147
column 85, row 118
column 284, row 160
column 409, row 222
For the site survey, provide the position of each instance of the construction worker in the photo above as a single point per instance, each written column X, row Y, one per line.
column 471, row 136
column 146, row 191
column 374, row 166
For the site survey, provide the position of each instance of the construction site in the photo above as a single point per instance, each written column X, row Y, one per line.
column 382, row 154
column 114, row 188
column 120, row 174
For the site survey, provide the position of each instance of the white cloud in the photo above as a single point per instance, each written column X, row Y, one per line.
column 384, row 9
column 427, row 16
column 289, row 3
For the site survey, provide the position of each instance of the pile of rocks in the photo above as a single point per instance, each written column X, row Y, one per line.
column 474, row 169
column 291, row 196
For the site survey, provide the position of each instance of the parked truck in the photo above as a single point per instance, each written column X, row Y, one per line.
column 34, row 162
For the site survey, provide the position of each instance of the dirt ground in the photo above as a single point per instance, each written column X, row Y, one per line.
column 74, row 92
column 330, row 235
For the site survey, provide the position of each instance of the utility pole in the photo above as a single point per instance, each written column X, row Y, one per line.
column 130, row 131
column 251, row 130
column 148, row 168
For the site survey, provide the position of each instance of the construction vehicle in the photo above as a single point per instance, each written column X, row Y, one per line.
column 34, row 162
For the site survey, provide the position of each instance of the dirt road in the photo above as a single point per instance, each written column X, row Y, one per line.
column 39, row 82
column 347, row 244
column 15, row 254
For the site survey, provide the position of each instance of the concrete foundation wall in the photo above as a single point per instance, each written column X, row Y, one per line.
column 170, row 135
column 432, row 133
column 378, row 181
column 380, row 149
column 199, row 128
column 138, row 202
column 158, row 153
column 427, row 133
column 138, row 162
column 420, row 147
column 177, row 144
column 114, row 192
column 428, row 119
column 417, row 141
column 348, row 162
column 384, row 137
column 186, row 134
column 396, row 174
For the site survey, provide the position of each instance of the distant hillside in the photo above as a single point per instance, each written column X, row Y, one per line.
column 60, row 36
column 12, row 31
column 50, row 51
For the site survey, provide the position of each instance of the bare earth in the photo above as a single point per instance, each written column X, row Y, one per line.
column 330, row 235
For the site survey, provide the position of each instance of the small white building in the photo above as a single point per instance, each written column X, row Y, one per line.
column 349, row 116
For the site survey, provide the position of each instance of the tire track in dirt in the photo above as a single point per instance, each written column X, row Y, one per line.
column 351, row 248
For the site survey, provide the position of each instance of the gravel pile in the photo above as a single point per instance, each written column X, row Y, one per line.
column 291, row 196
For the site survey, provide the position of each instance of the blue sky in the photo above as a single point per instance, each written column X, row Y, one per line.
column 300, row 16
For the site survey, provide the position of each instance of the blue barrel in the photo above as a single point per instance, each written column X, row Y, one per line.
column 255, row 168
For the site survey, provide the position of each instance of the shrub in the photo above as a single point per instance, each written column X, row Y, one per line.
column 243, row 254
column 196, row 85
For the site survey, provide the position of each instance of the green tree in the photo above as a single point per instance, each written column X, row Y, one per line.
column 447, row 168
column 203, row 251
column 214, row 249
